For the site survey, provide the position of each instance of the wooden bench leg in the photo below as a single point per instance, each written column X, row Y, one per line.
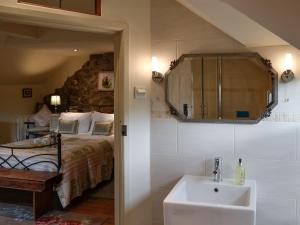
column 42, row 203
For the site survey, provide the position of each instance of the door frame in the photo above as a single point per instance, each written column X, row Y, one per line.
column 55, row 18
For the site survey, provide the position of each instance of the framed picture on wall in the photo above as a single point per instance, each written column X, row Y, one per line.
column 106, row 81
column 27, row 92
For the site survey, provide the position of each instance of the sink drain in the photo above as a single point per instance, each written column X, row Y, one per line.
column 216, row 190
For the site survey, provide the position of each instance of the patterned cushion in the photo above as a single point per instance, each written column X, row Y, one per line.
column 104, row 117
column 102, row 128
column 68, row 126
column 84, row 120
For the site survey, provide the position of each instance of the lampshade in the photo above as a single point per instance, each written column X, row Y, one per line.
column 155, row 64
column 55, row 100
column 288, row 62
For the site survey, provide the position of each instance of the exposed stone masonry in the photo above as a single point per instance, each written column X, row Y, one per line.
column 80, row 91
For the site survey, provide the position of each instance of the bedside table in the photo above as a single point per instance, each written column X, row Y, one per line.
column 35, row 131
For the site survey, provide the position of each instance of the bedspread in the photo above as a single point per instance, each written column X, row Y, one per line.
column 85, row 163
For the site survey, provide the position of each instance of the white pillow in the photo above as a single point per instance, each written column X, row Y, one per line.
column 42, row 117
column 100, row 117
column 84, row 120
column 97, row 116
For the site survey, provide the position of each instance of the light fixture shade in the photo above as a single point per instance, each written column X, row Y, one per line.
column 288, row 62
column 288, row 74
column 55, row 100
column 155, row 64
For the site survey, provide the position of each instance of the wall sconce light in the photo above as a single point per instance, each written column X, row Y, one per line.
column 288, row 74
column 156, row 75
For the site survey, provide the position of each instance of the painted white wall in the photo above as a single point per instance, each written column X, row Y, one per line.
column 271, row 149
column 14, row 105
column 136, row 13
column 25, row 66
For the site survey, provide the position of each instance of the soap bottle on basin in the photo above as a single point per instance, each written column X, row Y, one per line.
column 240, row 173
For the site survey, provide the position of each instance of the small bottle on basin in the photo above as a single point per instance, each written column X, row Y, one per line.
column 240, row 173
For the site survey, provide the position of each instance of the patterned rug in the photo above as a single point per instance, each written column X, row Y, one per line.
column 17, row 212
column 59, row 218
column 11, row 214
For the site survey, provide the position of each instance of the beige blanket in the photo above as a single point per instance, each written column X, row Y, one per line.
column 85, row 163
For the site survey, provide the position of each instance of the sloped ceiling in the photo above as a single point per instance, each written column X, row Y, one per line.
column 279, row 16
column 29, row 55
column 25, row 66
column 233, row 22
column 170, row 21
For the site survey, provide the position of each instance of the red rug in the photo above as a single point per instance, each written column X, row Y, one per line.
column 59, row 218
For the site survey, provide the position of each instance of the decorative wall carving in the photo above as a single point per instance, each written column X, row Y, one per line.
column 80, row 91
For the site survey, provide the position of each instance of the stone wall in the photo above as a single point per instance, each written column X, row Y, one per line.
column 80, row 91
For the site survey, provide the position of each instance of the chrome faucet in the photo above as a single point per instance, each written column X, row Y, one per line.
column 218, row 169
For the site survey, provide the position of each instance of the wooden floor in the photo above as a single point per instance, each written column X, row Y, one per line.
column 98, row 207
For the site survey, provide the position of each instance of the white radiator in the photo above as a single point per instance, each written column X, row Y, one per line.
column 21, row 127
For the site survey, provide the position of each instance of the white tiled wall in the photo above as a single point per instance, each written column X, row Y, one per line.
column 269, row 150
column 276, row 211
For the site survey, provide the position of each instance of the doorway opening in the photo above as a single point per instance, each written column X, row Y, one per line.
column 79, row 67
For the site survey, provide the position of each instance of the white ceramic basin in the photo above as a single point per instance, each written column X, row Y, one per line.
column 200, row 201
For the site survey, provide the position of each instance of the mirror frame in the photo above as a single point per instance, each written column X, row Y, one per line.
column 267, row 63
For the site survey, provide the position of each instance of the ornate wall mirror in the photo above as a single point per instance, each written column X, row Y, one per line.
column 229, row 88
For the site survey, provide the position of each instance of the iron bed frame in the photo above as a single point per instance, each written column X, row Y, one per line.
column 22, row 162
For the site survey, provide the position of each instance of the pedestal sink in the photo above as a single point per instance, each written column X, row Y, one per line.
column 199, row 200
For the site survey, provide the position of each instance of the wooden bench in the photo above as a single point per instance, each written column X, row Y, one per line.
column 41, row 184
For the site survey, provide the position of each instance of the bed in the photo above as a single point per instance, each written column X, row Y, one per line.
column 86, row 161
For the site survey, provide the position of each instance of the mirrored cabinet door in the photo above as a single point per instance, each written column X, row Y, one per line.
column 246, row 85
column 186, row 95
column 197, row 106
column 173, row 89
column 210, row 88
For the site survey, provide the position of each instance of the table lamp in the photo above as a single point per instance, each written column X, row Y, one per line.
column 56, row 101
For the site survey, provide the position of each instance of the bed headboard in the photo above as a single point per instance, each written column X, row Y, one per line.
column 80, row 91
